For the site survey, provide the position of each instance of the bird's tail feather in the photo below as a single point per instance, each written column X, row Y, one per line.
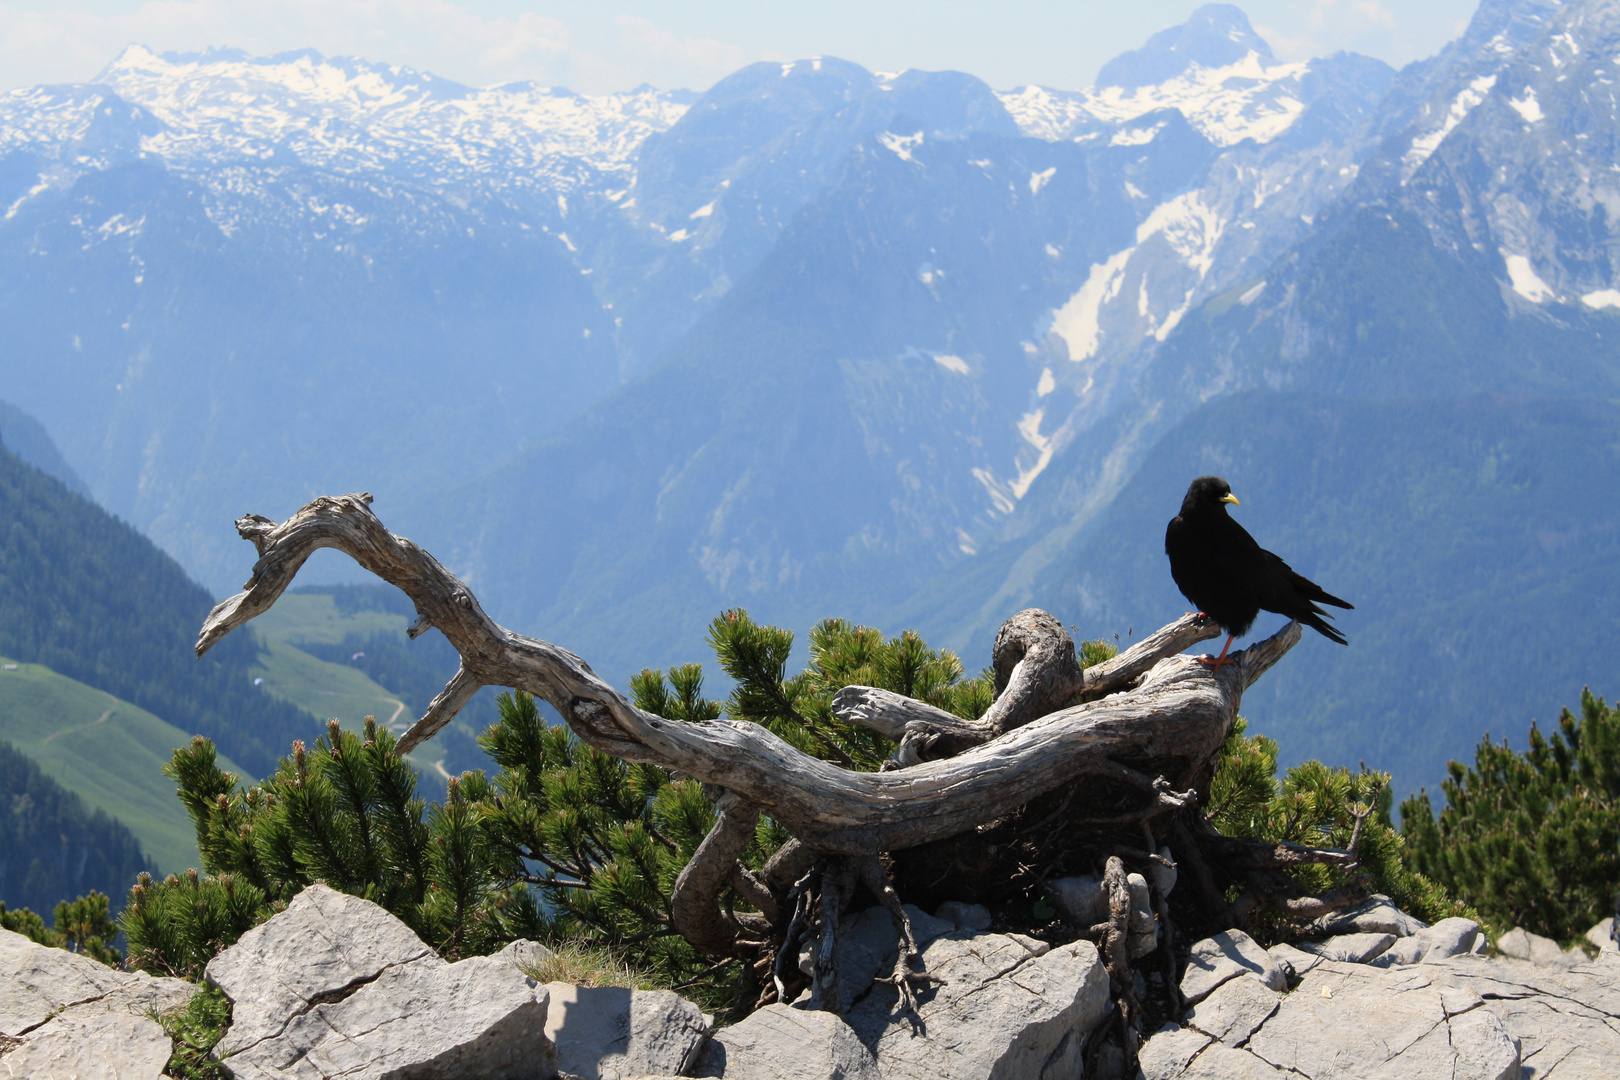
column 1310, row 590
column 1316, row 619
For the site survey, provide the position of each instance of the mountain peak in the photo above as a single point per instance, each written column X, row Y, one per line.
column 1214, row 36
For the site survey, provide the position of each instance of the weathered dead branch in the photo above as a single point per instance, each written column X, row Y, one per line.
column 1036, row 674
column 1178, row 714
column 1051, row 729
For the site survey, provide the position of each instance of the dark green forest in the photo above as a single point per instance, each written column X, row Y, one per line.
column 84, row 594
column 52, row 847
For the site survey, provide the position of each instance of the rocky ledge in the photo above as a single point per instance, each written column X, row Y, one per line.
column 335, row 987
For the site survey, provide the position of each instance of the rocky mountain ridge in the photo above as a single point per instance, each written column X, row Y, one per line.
column 821, row 340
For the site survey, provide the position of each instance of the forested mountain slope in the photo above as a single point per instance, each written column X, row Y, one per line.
column 52, row 848
column 89, row 597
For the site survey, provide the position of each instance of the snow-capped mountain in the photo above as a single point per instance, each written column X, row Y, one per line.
column 351, row 117
column 819, row 341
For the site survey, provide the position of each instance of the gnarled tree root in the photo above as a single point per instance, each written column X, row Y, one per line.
column 1052, row 725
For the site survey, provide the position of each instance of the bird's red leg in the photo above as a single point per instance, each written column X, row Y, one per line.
column 1220, row 661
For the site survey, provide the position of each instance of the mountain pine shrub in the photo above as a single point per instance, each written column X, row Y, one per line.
column 564, row 844
column 1317, row 805
column 1531, row 839
column 83, row 926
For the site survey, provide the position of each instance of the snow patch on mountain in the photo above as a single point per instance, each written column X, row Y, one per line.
column 1525, row 281
column 1077, row 321
column 1461, row 105
column 1249, row 99
column 351, row 116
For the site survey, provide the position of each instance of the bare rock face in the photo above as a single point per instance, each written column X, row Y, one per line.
column 780, row 1042
column 1010, row 1007
column 337, row 987
column 1521, row 944
column 1228, row 955
column 1351, row 948
column 65, row 1015
column 1375, row 915
column 1447, row 1013
column 1083, row 903
column 608, row 1032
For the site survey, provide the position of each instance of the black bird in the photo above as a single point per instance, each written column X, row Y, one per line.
column 1227, row 576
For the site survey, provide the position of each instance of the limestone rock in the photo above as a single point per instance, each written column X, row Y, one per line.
column 91, row 1044
column 326, row 943
column 477, row 1018
column 1294, row 962
column 1390, row 1023
column 780, row 1042
column 65, row 1015
column 1450, row 937
column 967, row 916
column 1349, row 948
column 336, row 986
column 1004, row 1011
column 525, row 955
column 1603, row 936
column 1082, row 902
column 1521, row 944
column 1567, row 1021
column 1234, row 1010
column 605, row 1032
column 1170, row 1050
column 1375, row 915
column 1446, row 938
column 1228, row 955
column 1163, row 877
column 868, row 942
column 1464, row 1016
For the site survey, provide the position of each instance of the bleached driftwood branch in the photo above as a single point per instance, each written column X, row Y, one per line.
column 1175, row 718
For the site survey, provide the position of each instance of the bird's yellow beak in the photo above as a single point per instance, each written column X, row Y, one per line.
column 1229, row 497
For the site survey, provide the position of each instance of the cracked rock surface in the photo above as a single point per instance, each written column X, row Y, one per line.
column 65, row 1015
column 337, row 987
column 780, row 1042
column 609, row 1032
column 1460, row 1017
column 1010, row 1008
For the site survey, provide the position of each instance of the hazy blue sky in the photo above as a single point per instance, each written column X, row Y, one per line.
column 599, row 47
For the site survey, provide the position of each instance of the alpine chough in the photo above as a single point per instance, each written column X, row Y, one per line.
column 1227, row 576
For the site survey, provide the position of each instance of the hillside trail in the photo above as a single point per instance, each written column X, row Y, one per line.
column 102, row 719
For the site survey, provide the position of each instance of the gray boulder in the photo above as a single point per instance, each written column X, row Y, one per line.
column 1349, row 948
column 1228, row 955
column 325, row 944
column 1375, row 915
column 967, row 916
column 1082, row 902
column 1461, row 1016
column 1567, row 1021
column 1602, row 936
column 336, row 986
column 1447, row 938
column 1343, row 1020
column 65, row 1015
column 780, row 1042
column 1009, row 1008
column 608, row 1032
column 1521, row 944
column 1234, row 1010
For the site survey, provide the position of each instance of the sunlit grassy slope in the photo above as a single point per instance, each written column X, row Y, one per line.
column 106, row 750
column 334, row 690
